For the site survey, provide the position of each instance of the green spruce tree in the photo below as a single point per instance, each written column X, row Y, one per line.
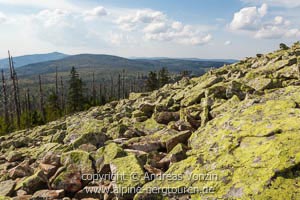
column 75, row 97
column 152, row 81
column 52, row 107
column 163, row 77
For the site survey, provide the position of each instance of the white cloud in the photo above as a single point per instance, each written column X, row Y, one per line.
column 196, row 40
column 95, row 13
column 3, row 18
column 51, row 4
column 263, row 10
column 255, row 21
column 116, row 38
column 130, row 22
column 227, row 43
column 147, row 16
column 63, row 27
column 184, row 34
column 248, row 18
column 177, row 25
column 293, row 33
column 53, row 18
column 157, row 26
column 276, row 32
column 270, row 32
column 279, row 3
column 119, row 39
column 278, row 20
column 278, row 28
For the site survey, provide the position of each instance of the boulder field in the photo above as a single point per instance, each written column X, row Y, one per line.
column 233, row 133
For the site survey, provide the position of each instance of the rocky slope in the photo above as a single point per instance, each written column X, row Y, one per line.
column 233, row 133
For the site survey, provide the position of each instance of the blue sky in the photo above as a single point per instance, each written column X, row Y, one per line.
column 148, row 28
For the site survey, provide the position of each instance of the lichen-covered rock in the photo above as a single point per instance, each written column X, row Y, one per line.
column 147, row 108
column 117, row 130
column 87, row 147
column 47, row 169
column 135, row 96
column 249, row 149
column 106, row 154
column 22, row 142
column 7, row 187
column 20, row 171
column 76, row 163
column 137, row 113
column 59, row 137
column 96, row 139
column 129, row 176
column 166, row 117
column 164, row 139
column 51, row 158
column 177, row 154
column 5, row 198
column 48, row 194
column 14, row 156
column 260, row 84
column 181, row 137
column 33, row 183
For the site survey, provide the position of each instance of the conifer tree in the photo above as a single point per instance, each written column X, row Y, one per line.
column 152, row 81
column 163, row 77
column 75, row 97
column 52, row 108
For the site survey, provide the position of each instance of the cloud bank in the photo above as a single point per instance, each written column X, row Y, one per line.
column 256, row 21
column 156, row 26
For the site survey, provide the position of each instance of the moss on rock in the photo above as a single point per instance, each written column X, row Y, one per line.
column 106, row 154
column 76, row 164
column 129, row 175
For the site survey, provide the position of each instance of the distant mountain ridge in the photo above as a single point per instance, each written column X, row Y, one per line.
column 108, row 63
column 20, row 61
column 191, row 59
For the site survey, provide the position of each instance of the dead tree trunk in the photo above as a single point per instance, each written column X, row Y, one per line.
column 28, row 101
column 56, row 82
column 94, row 93
column 111, row 87
column 28, row 108
column 15, row 90
column 119, row 86
column 123, row 84
column 131, row 85
column 104, row 92
column 134, row 84
column 42, row 109
column 100, row 94
column 62, row 96
column 5, row 100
